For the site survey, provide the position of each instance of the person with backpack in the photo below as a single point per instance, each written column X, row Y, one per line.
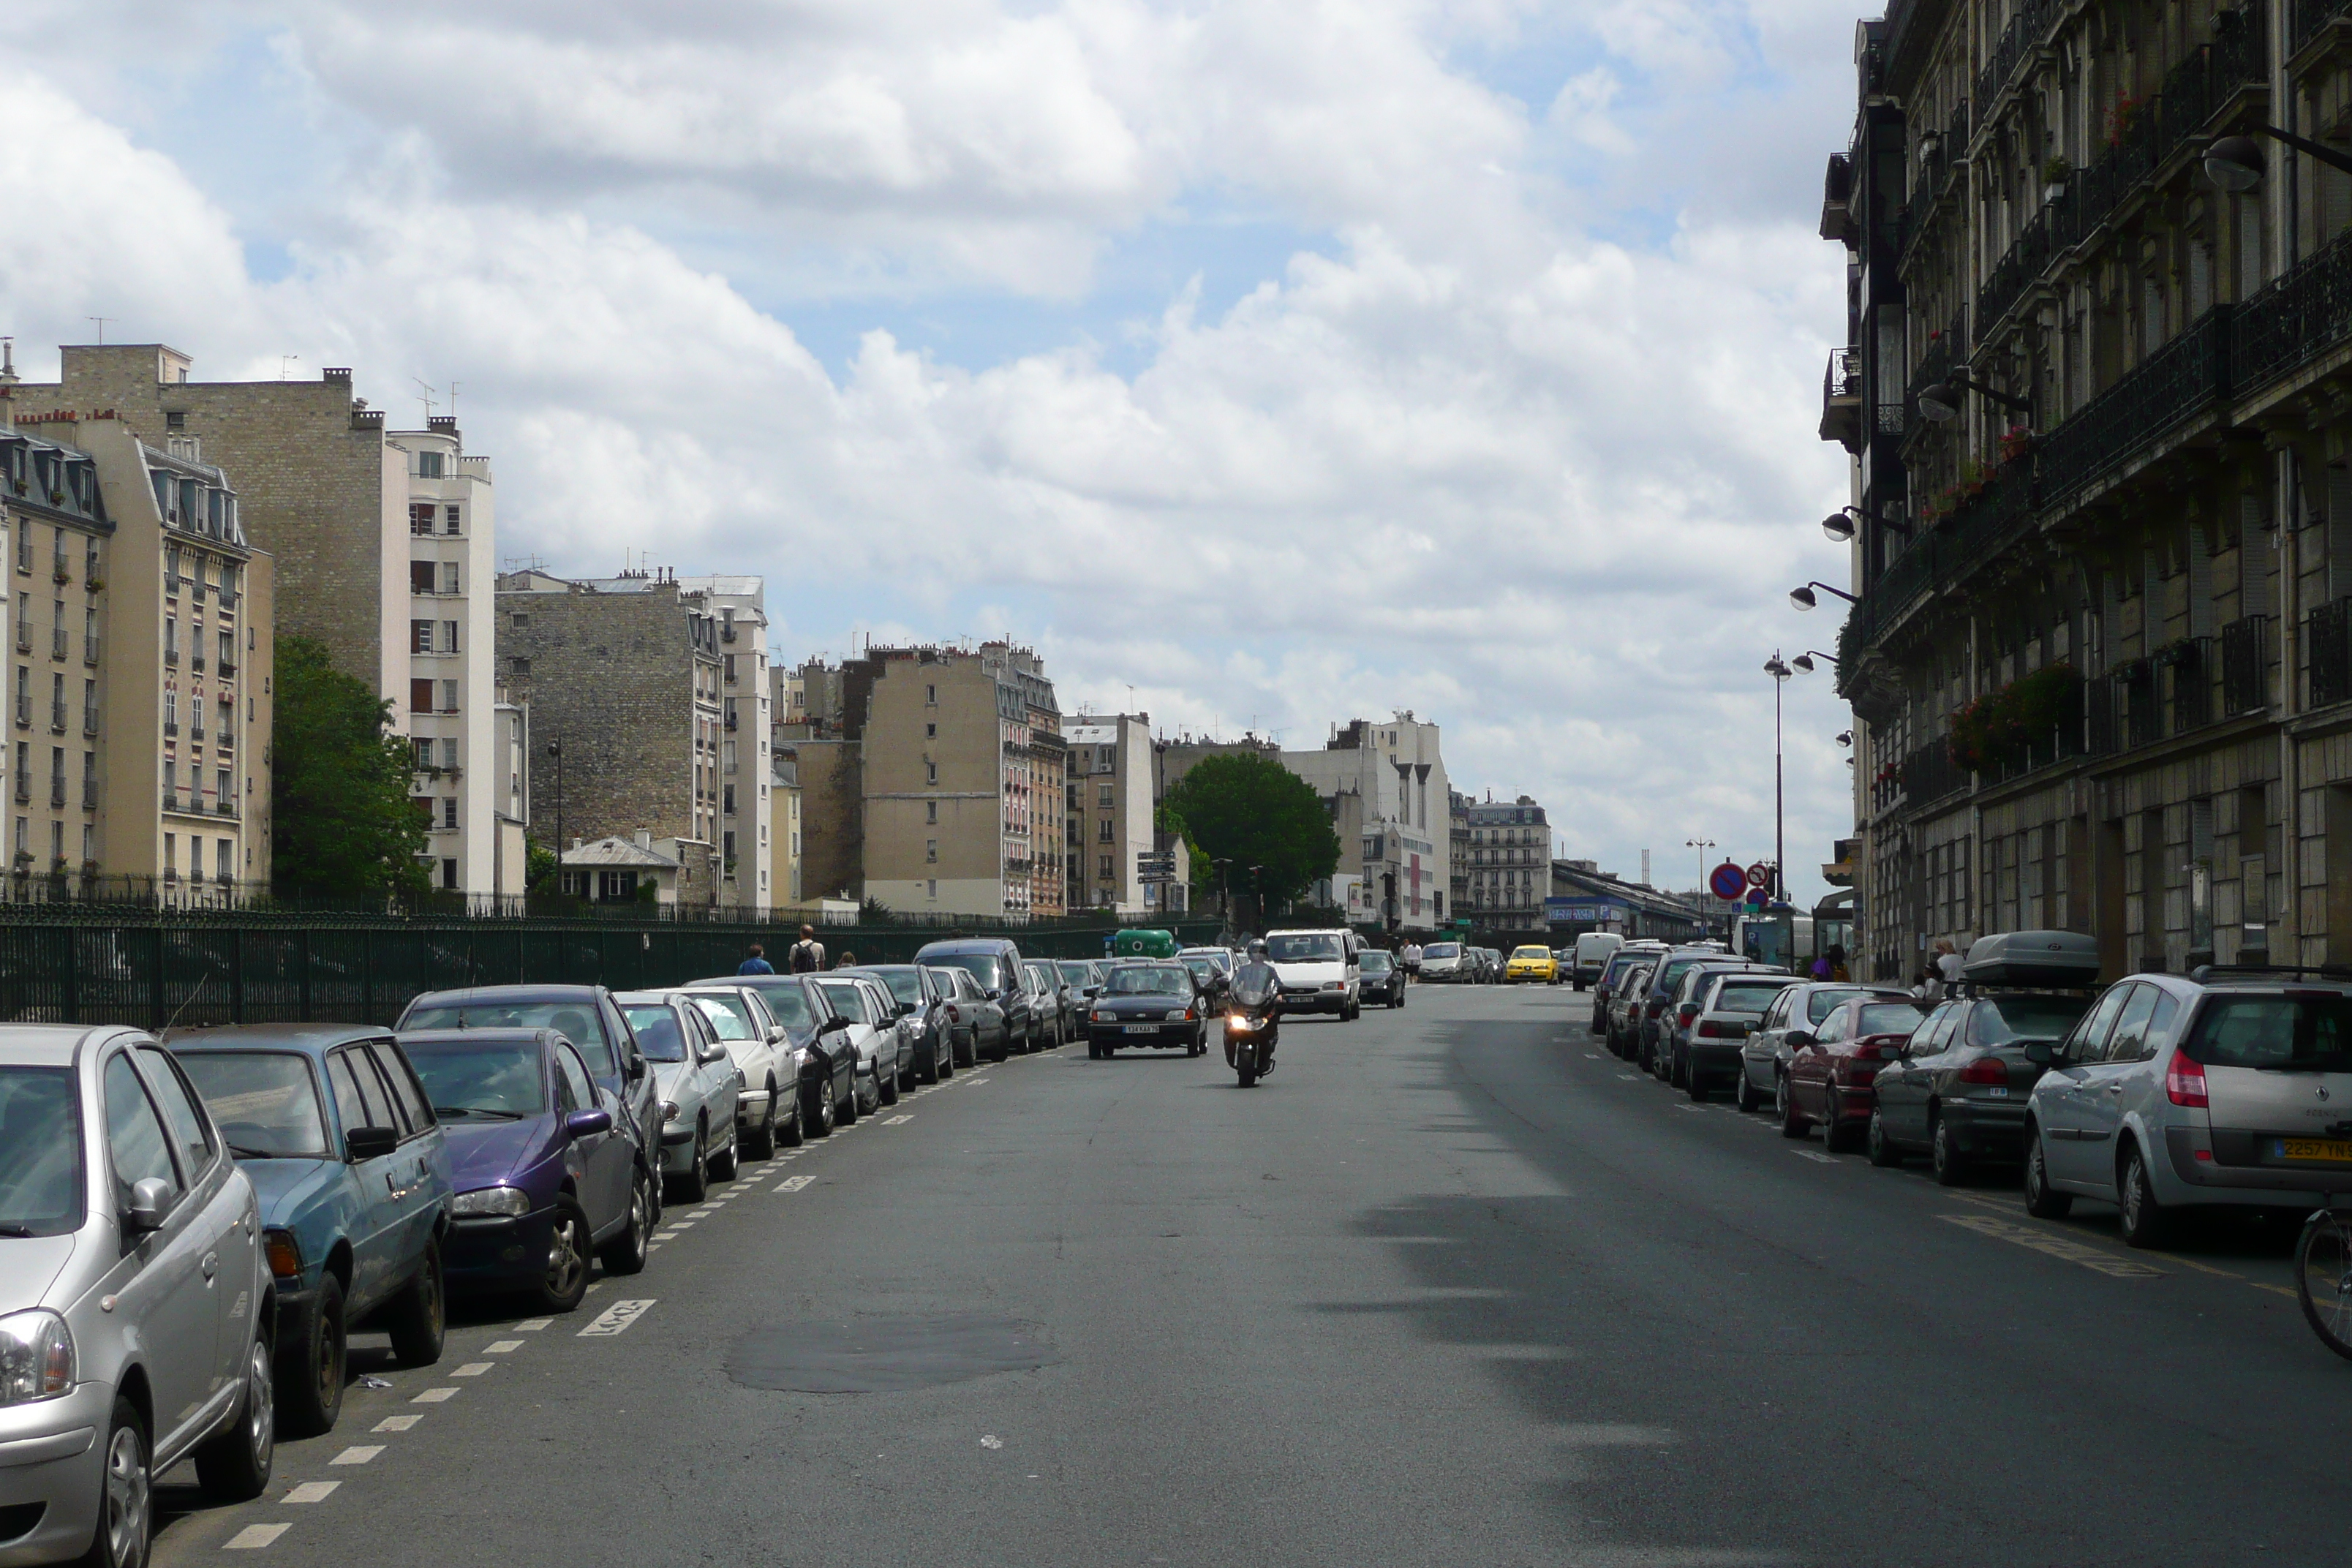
column 806, row 955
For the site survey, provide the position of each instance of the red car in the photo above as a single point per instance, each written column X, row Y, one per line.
column 1830, row 1069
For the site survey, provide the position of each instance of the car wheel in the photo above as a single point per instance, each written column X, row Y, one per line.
column 886, row 1086
column 946, row 1060
column 1837, row 1137
column 2146, row 1224
column 119, row 1539
column 419, row 1317
column 626, row 1253
column 824, row 1113
column 694, row 1186
column 564, row 1278
column 723, row 1163
column 1694, row 1082
column 311, row 1366
column 1951, row 1166
column 1874, row 1143
column 1792, row 1124
column 761, row 1142
column 846, row 1112
column 2041, row 1201
column 931, row 1064
column 1677, row 1068
column 235, row 1465
column 1745, row 1096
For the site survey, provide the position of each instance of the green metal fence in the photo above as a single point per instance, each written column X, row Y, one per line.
column 223, row 969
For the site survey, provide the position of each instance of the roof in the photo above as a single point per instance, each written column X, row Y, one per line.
column 273, row 1037
column 624, row 852
column 46, row 1045
column 1091, row 734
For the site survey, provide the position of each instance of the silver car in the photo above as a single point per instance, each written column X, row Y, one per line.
column 135, row 1300
column 1766, row 1053
column 697, row 1085
column 874, row 1029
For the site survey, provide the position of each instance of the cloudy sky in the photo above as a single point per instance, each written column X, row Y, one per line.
column 1280, row 360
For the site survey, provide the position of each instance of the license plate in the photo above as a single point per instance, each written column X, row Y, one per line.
column 1995, row 1094
column 1142, row 1029
column 2311, row 1149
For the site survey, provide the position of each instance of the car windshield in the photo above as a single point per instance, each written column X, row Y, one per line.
column 480, row 1081
column 903, row 983
column 847, row 999
column 1887, row 1018
column 2005, row 1020
column 1746, row 995
column 657, row 1031
column 40, row 1153
column 980, row 966
column 1376, row 961
column 1318, row 947
column 267, row 1102
column 1140, row 981
column 1670, row 974
column 1200, row 967
column 2306, row 1032
column 1531, row 953
column 1077, row 974
column 1441, row 950
column 575, row 1021
column 730, row 1015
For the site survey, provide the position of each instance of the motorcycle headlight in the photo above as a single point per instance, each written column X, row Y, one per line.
column 36, row 1357
column 512, row 1203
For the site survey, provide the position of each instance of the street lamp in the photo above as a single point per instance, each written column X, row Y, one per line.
column 1805, row 600
column 1701, row 845
column 1940, row 401
column 1838, row 524
column 2236, row 162
column 1804, row 661
column 1779, row 673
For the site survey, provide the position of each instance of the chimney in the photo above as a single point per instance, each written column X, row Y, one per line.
column 645, row 837
column 1645, row 867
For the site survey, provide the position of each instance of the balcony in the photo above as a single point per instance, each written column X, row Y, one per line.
column 172, row 658
column 90, row 650
column 170, row 729
column 89, row 720
column 58, row 718
column 90, row 795
column 2328, row 633
column 196, row 663
column 23, row 712
column 24, row 634
column 24, row 790
column 57, row 794
column 2246, row 666
column 57, row 641
column 196, row 726
column 1842, row 399
column 226, row 669
column 225, row 808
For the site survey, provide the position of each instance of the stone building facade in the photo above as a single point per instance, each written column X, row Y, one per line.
column 1384, row 782
column 2094, row 390
column 1509, row 874
column 1107, row 811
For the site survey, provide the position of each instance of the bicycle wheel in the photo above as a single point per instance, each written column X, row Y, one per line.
column 2323, row 1279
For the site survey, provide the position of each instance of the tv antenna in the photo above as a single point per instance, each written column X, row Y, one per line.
column 424, row 395
column 101, row 321
column 285, row 363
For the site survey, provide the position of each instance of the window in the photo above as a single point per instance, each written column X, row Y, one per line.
column 420, row 636
column 930, row 693
column 170, row 712
column 420, row 697
column 429, row 467
column 227, row 652
column 225, row 790
column 171, row 639
column 421, row 578
column 448, row 697
column 448, row 643
column 519, row 666
column 930, row 772
column 1104, row 834
column 1106, row 867
column 420, row 517
column 2132, row 1028
column 135, row 1138
column 353, row 1107
column 449, row 519
column 171, row 841
column 1106, row 797
column 931, row 851
column 930, row 811
column 520, row 620
column 449, row 811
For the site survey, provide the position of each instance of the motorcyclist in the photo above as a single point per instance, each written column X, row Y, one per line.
column 1256, row 985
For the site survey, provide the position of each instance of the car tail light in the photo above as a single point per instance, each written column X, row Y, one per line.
column 1985, row 1069
column 1717, row 1029
column 2184, row 1081
column 954, row 1016
column 1688, row 1011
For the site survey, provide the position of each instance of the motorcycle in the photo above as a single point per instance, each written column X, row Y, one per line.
column 1252, row 1027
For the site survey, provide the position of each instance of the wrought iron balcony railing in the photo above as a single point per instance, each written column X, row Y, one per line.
column 2246, row 666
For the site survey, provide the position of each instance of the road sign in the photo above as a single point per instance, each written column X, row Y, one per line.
column 1759, row 875
column 1756, row 898
column 1727, row 881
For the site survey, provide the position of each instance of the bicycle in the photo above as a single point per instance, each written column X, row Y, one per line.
column 2323, row 1278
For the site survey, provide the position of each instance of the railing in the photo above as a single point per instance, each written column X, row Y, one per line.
column 57, row 794
column 1929, row 773
column 88, row 794
column 172, row 657
column 2099, row 700
column 2143, row 708
column 225, row 808
column 2185, row 375
column 57, row 717
column 24, row 711
column 196, row 726
column 170, row 729
column 58, row 640
column 2191, row 662
column 2310, row 18
column 89, row 720
column 2245, row 665
column 2031, row 22
column 2328, row 633
column 24, row 790
column 2294, row 316
column 196, row 663
column 24, row 633
column 226, row 669
column 90, row 650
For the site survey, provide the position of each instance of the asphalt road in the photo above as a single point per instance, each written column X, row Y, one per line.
column 1450, row 1286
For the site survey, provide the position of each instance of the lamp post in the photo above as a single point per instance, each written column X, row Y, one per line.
column 1838, row 524
column 1701, row 845
column 1804, row 599
column 1804, row 661
column 1940, row 401
column 2236, row 162
column 1779, row 673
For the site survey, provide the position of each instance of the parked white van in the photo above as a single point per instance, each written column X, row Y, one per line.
column 1320, row 971
column 1594, row 949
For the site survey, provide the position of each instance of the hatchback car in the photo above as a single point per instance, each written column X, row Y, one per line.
column 547, row 1178
column 136, row 1303
column 1731, row 1004
column 2225, row 1088
column 1958, row 1093
column 977, row 1029
column 1051, row 995
column 1155, row 1003
column 768, row 1109
column 1829, row 1077
column 1765, row 1055
column 1623, row 1027
column 1532, row 965
column 353, row 1178
column 874, row 1034
column 1658, row 992
column 1445, row 961
column 922, row 1004
column 996, row 964
column 698, row 1084
column 1671, row 1059
column 1384, row 979
column 1083, row 978
column 1213, row 978
column 816, row 1038
column 1612, row 975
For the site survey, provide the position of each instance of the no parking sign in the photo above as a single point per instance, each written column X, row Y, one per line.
column 1727, row 881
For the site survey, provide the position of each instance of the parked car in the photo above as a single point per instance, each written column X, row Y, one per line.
column 136, row 1302
column 1612, row 975
column 1829, row 1077
column 584, row 1015
column 922, row 1004
column 1532, row 965
column 1447, row 962
column 1731, row 1004
column 1624, row 1025
column 1658, row 992
column 1384, row 979
column 768, row 1107
column 1155, row 1003
column 977, row 1029
column 1052, row 998
column 546, row 1176
column 1083, row 978
column 814, row 1036
column 1590, row 955
column 352, row 1176
column 1958, row 1092
column 1672, row 1057
column 1766, row 1053
column 698, row 1084
column 873, row 1032
column 996, row 964
column 2224, row 1087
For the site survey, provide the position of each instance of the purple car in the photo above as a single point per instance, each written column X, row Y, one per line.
column 543, row 1177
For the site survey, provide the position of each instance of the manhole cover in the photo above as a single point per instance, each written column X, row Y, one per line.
column 882, row 1355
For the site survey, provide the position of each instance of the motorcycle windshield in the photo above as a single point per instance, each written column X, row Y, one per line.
column 1254, row 987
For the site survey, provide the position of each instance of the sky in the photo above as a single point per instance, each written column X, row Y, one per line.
column 1261, row 363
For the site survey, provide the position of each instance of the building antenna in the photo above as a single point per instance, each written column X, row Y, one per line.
column 285, row 362
column 424, row 395
column 453, row 399
column 101, row 321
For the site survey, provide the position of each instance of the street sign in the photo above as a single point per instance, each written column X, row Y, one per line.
column 1727, row 881
column 1759, row 875
column 1756, row 898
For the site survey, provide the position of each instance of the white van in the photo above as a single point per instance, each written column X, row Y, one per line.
column 1321, row 970
column 1594, row 949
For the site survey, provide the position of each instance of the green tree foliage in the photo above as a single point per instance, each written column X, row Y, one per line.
column 1253, row 811
column 343, row 823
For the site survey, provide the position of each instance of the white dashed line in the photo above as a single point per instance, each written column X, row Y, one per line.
column 532, row 1325
column 500, row 1347
column 254, row 1535
column 1814, row 1154
column 311, row 1491
column 975, row 1083
column 359, row 1456
column 616, row 1318
column 396, row 1423
column 893, row 1122
column 474, row 1369
column 433, row 1396
column 795, row 1183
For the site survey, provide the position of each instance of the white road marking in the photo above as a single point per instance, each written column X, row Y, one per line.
column 359, row 1456
column 434, row 1396
column 1630, row 1077
column 1592, row 1056
column 616, row 1318
column 2056, row 1247
column 991, row 1441
column 795, row 1183
column 474, row 1369
column 501, row 1347
column 1687, row 1106
column 311, row 1491
column 1814, row 1154
column 893, row 1122
column 396, row 1423
column 254, row 1535
column 975, row 1083
column 532, row 1325
column 678, row 1225
column 653, row 1246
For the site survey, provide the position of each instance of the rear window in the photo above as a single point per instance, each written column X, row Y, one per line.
column 657, row 1031
column 2311, row 1032
column 1671, row 974
column 980, row 966
column 1888, row 1018
column 578, row 1022
column 2005, row 1020
column 904, row 984
column 1819, row 1005
column 1746, row 995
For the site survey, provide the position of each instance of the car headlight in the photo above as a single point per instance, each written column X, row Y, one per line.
column 1102, row 1017
column 36, row 1357
column 1335, row 985
column 510, row 1202
column 669, row 1111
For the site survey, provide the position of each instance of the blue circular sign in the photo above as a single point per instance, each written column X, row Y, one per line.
column 1727, row 881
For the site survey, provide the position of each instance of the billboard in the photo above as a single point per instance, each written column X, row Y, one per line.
column 1583, row 911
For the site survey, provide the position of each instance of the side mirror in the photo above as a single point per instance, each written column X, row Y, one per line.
column 775, row 1034
column 832, row 1025
column 150, row 1203
column 1798, row 1039
column 2041, row 1052
column 587, row 1123
column 710, row 1054
column 635, row 1067
column 369, row 1143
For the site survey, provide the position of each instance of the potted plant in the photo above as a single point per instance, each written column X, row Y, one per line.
column 2054, row 172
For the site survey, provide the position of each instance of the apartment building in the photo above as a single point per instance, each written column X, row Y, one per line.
column 1108, row 811
column 746, row 789
column 622, row 678
column 784, row 807
column 338, row 502
column 1510, row 869
column 1457, row 810
column 139, row 668
column 2101, row 653
column 1379, row 778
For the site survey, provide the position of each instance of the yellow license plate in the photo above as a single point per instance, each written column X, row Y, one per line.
column 2313, row 1149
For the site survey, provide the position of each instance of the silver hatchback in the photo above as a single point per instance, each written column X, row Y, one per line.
column 135, row 1300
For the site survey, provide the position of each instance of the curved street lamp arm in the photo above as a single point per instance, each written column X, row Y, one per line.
column 1841, row 593
column 2329, row 155
column 2023, row 405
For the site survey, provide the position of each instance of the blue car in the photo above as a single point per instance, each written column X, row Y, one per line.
column 547, row 1177
column 352, row 1174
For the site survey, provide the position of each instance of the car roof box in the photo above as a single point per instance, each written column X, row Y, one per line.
column 2063, row 958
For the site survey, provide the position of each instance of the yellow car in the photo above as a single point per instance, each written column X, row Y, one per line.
column 1531, row 963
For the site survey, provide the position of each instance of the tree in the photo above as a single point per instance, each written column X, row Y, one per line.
column 1252, row 811
column 343, row 822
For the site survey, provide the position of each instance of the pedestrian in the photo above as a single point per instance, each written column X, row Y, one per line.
column 1411, row 959
column 1919, row 986
column 807, row 955
column 1948, row 966
column 1837, row 964
column 1821, row 969
column 755, row 962
column 847, row 960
